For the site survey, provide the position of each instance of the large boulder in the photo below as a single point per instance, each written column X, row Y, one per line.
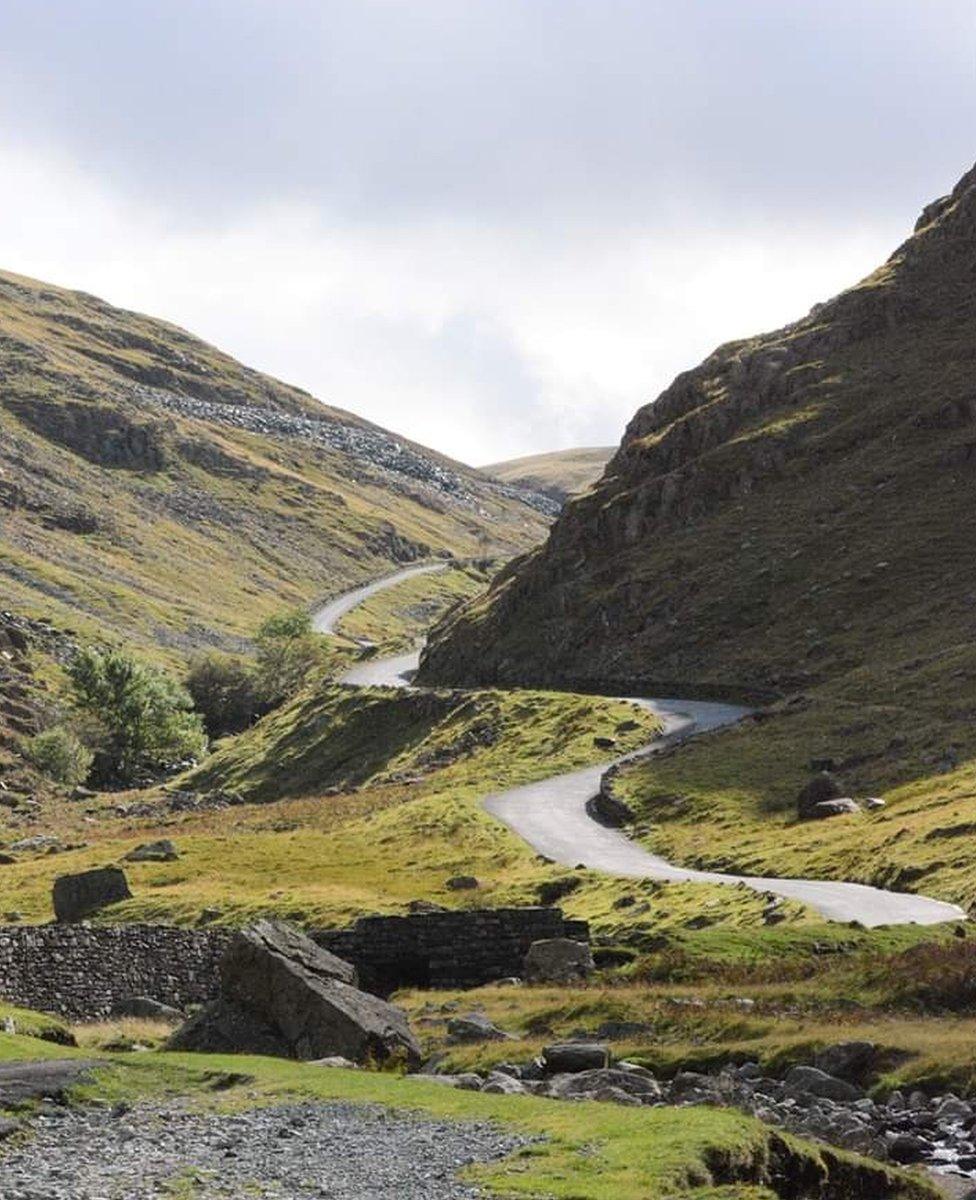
column 145, row 1008
column 570, row 1058
column 854, row 1062
column 811, row 1081
column 557, row 960
column 282, row 995
column 78, row 896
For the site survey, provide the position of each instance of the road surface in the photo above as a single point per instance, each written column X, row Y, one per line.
column 552, row 815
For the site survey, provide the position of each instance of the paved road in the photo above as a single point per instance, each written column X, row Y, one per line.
column 329, row 615
column 552, row 815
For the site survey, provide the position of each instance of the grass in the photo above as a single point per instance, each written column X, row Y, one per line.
column 397, row 616
column 191, row 542
column 582, row 1151
column 376, row 802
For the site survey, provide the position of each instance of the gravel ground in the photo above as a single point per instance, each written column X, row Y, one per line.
column 289, row 1152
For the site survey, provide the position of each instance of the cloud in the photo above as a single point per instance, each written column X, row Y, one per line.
column 496, row 227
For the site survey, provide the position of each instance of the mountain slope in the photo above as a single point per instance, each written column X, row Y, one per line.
column 791, row 522
column 559, row 474
column 153, row 488
column 791, row 509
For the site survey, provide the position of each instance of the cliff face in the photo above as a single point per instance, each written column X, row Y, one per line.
column 795, row 507
column 154, row 488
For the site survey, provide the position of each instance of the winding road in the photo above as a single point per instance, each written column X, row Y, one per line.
column 552, row 815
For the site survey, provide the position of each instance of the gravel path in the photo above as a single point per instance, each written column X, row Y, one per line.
column 553, row 817
column 289, row 1152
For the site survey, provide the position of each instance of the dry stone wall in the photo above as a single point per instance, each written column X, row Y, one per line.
column 82, row 971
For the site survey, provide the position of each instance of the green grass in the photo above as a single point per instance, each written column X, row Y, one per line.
column 582, row 1151
column 397, row 616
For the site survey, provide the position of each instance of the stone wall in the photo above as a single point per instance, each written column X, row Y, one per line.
column 445, row 949
column 81, row 971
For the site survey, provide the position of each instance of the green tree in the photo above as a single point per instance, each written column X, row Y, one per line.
column 288, row 652
column 225, row 693
column 136, row 717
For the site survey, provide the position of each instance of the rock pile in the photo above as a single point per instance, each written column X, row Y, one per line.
column 810, row 1100
column 369, row 445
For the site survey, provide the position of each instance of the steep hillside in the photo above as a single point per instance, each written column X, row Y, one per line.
column 153, row 488
column 790, row 521
column 784, row 514
column 559, row 474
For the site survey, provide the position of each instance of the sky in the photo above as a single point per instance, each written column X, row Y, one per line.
column 497, row 227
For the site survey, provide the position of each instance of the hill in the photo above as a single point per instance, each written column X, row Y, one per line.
column 559, row 474
column 789, row 521
column 154, row 489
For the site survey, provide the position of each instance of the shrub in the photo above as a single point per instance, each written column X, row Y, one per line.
column 288, row 652
column 60, row 754
column 137, row 718
column 225, row 693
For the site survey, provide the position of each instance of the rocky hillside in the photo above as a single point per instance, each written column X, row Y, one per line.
column 795, row 510
column 559, row 474
column 153, row 488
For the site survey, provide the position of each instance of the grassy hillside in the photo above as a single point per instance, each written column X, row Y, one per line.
column 153, row 489
column 789, row 521
column 560, row 474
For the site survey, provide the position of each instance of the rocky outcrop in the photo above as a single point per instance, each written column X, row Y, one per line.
column 282, row 995
column 771, row 511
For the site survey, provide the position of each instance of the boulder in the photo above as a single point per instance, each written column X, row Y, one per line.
column 503, row 1085
column 475, row 1027
column 811, row 1081
column 282, row 995
column 832, row 808
column 572, row 1057
column 161, row 851
column 147, row 1009
column 851, row 1061
column 821, row 787
column 557, row 960
column 78, row 896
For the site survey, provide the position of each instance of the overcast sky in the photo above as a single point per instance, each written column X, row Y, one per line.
column 496, row 226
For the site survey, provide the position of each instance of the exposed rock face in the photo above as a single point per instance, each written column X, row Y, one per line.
column 557, row 960
column 78, row 896
column 282, row 995
column 775, row 505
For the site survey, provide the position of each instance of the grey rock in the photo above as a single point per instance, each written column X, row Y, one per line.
column 908, row 1148
column 843, row 806
column 557, row 960
column 146, row 1008
column 573, row 1057
column 161, row 851
column 475, row 1027
column 814, row 1082
column 78, row 896
column 587, row 1083
column 853, row 1061
column 498, row 1084
column 283, row 995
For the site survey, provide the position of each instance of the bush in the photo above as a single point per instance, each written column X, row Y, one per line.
column 137, row 718
column 225, row 693
column 289, row 651
column 60, row 754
